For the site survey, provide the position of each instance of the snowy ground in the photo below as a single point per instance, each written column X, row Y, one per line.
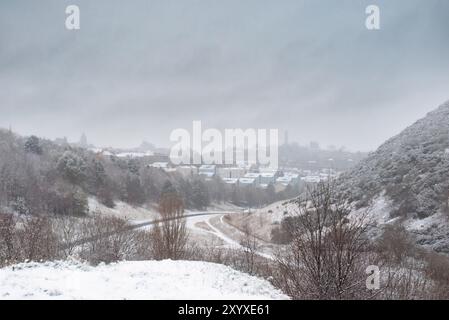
column 431, row 232
column 262, row 221
column 132, row 280
column 215, row 230
column 124, row 211
column 202, row 229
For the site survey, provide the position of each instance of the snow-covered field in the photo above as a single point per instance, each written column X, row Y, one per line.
column 138, row 280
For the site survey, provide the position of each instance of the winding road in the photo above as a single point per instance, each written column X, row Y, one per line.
column 231, row 239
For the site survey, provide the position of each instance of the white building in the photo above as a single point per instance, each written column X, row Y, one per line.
column 207, row 168
column 231, row 172
column 267, row 177
column 311, row 179
column 294, row 177
column 232, row 181
column 162, row 166
column 187, row 171
column 207, row 175
column 159, row 165
column 247, row 181
column 285, row 180
column 134, row 154
column 253, row 175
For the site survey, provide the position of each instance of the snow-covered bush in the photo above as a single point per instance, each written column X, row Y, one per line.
column 72, row 167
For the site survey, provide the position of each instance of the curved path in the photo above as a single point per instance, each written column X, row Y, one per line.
column 137, row 226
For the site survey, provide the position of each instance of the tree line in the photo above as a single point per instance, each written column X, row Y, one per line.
column 38, row 176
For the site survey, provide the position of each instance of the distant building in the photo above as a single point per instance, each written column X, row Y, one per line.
column 232, row 181
column 187, row 171
column 166, row 166
column 83, row 141
column 231, row 172
column 293, row 177
column 159, row 165
column 62, row 141
column 134, row 154
column 311, row 179
column 207, row 175
column 267, row 178
column 247, row 181
column 101, row 152
column 207, row 169
column 279, row 187
column 253, row 175
column 286, row 180
column 157, row 157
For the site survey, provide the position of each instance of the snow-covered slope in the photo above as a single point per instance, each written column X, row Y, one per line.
column 262, row 221
column 139, row 280
column 405, row 180
column 412, row 169
column 410, row 172
column 123, row 210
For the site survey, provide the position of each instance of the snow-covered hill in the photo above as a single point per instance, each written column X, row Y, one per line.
column 405, row 180
column 412, row 168
column 142, row 280
column 410, row 173
column 123, row 210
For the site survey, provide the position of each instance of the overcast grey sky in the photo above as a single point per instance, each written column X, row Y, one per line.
column 138, row 69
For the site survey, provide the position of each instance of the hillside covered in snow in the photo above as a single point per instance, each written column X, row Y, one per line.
column 138, row 280
column 409, row 173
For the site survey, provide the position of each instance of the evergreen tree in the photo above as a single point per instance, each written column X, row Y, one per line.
column 200, row 194
column 32, row 145
column 72, row 166
column 168, row 188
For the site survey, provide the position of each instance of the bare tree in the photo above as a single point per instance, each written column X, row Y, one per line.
column 250, row 247
column 110, row 240
column 69, row 230
column 7, row 233
column 170, row 237
column 325, row 259
column 405, row 281
column 395, row 244
column 37, row 239
column 156, row 243
column 437, row 270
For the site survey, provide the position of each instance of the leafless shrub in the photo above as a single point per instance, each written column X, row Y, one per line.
column 437, row 269
column 405, row 281
column 250, row 248
column 169, row 238
column 326, row 258
column 37, row 239
column 283, row 233
column 395, row 244
column 410, row 272
column 110, row 240
column 210, row 253
column 233, row 258
column 7, row 242
column 142, row 247
column 70, row 232
column 156, row 243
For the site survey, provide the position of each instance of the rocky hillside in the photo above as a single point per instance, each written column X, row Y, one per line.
column 410, row 173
